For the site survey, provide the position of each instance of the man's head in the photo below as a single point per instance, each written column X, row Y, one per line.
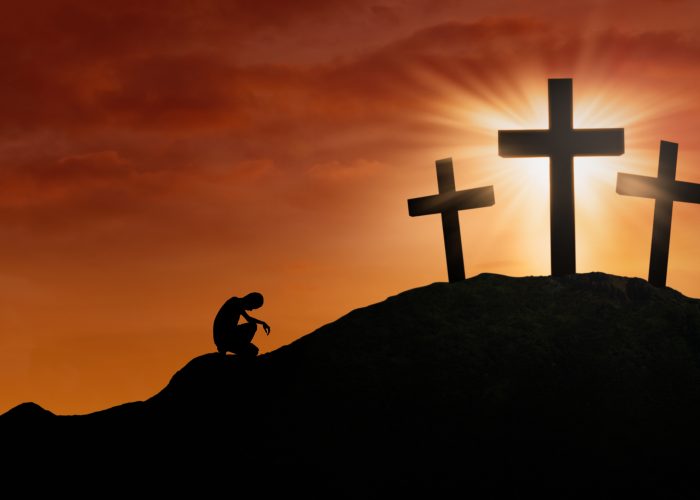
column 252, row 301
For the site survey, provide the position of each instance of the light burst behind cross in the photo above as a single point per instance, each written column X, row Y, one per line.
column 561, row 142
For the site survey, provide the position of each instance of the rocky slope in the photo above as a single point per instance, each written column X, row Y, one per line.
column 584, row 382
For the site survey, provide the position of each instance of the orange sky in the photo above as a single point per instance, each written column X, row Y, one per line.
column 155, row 161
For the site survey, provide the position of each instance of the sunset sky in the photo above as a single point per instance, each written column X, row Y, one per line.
column 157, row 158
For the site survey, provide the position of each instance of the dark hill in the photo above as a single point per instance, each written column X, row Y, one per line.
column 587, row 383
column 27, row 411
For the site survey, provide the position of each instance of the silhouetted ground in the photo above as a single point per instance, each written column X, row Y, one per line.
column 587, row 385
column 27, row 411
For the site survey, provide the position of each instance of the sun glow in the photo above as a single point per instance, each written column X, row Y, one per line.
column 465, row 124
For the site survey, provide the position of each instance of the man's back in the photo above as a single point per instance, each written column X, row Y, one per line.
column 227, row 318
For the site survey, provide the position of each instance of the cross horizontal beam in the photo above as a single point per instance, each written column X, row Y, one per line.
column 599, row 142
column 524, row 143
column 652, row 187
column 452, row 201
column 541, row 143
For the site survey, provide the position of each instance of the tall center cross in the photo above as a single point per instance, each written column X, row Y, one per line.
column 665, row 189
column 448, row 203
column 561, row 142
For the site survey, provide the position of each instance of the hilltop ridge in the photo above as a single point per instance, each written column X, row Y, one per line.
column 518, row 374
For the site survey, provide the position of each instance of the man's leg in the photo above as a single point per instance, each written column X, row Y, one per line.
column 220, row 341
column 241, row 340
column 244, row 333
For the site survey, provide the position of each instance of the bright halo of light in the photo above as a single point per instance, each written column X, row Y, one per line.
column 463, row 124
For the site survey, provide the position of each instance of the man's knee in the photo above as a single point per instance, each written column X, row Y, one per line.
column 245, row 332
column 248, row 327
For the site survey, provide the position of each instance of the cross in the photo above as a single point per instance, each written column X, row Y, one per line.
column 665, row 189
column 561, row 142
column 448, row 203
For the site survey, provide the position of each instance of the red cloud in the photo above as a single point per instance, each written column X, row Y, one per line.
column 161, row 107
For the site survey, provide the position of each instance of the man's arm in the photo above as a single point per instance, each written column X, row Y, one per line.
column 251, row 319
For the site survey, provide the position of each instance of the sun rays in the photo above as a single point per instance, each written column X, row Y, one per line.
column 462, row 123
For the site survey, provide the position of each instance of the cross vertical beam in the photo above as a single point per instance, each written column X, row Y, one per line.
column 450, row 223
column 663, row 212
column 561, row 104
column 562, row 215
column 561, row 180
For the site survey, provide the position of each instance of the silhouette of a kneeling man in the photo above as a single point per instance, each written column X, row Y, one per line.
column 229, row 336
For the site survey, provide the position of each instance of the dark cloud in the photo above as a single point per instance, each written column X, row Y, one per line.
column 159, row 121
column 170, row 104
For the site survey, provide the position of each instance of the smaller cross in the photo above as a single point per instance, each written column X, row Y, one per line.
column 448, row 203
column 665, row 189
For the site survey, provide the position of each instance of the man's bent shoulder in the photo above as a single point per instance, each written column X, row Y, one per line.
column 233, row 304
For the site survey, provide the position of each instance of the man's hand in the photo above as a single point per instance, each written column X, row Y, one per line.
column 266, row 327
